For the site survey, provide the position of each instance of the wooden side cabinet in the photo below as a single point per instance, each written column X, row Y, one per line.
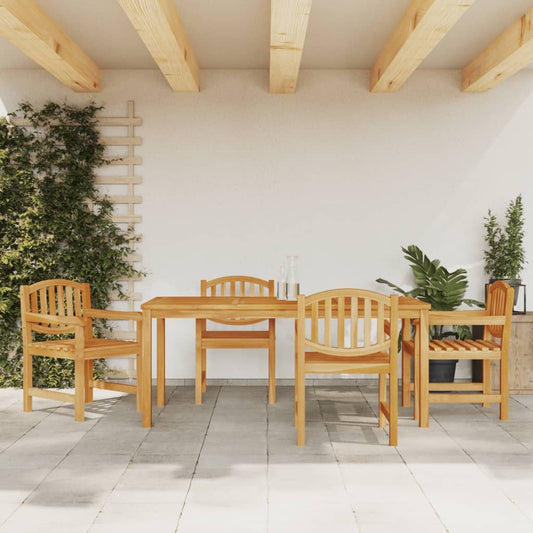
column 520, row 357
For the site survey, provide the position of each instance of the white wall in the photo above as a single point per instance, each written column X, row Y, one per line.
column 236, row 178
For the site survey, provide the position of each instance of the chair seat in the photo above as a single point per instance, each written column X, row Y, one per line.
column 93, row 348
column 467, row 349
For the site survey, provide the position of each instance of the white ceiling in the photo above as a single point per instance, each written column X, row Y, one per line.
column 226, row 34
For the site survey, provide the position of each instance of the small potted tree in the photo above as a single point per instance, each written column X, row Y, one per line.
column 504, row 255
column 445, row 291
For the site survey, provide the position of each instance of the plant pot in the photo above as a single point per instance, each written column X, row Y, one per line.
column 442, row 371
column 514, row 283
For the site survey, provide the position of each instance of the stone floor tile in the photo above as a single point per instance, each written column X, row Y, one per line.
column 60, row 517
column 468, row 470
column 311, row 517
column 201, row 517
column 132, row 517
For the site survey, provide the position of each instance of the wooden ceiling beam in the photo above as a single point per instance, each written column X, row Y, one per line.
column 422, row 26
column 505, row 56
column 31, row 30
column 288, row 26
column 158, row 24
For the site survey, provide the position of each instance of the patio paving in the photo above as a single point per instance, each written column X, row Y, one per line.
column 232, row 465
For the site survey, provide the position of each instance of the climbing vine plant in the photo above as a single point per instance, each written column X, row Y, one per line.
column 53, row 224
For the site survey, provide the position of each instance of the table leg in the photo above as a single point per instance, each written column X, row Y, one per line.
column 416, row 376
column 146, row 396
column 160, row 362
column 424, row 370
column 199, row 363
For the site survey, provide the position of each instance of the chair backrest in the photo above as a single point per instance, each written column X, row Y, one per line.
column 237, row 286
column 372, row 317
column 56, row 297
column 500, row 301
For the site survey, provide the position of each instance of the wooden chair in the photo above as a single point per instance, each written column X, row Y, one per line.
column 325, row 350
column 494, row 346
column 57, row 307
column 237, row 286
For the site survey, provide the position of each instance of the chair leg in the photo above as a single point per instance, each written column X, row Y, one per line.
column 422, row 385
column 300, row 399
column 504, row 388
column 406, row 379
column 79, row 390
column 382, row 398
column 486, row 379
column 204, row 370
column 416, row 379
column 393, row 409
column 89, row 366
column 27, row 380
column 138, row 383
column 295, row 375
column 272, row 363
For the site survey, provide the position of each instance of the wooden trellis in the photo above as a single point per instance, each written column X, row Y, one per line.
column 118, row 181
column 125, row 200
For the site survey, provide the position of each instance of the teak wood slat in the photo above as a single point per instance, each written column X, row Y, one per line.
column 242, row 287
column 59, row 307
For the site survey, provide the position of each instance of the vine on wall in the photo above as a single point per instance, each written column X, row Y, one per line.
column 53, row 224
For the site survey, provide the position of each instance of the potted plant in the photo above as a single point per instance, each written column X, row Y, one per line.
column 445, row 291
column 504, row 255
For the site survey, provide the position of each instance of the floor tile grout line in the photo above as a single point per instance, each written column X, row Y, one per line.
column 500, row 489
column 31, row 428
column 422, row 490
column 485, row 413
column 134, row 455
column 404, row 461
column 513, row 397
column 53, row 469
column 354, row 511
column 407, row 466
column 197, row 460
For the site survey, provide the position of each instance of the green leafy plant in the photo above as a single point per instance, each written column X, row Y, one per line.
column 436, row 285
column 54, row 224
column 505, row 256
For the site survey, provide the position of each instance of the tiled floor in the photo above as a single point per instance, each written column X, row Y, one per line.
column 231, row 465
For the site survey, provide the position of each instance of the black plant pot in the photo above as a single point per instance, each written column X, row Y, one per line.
column 442, row 371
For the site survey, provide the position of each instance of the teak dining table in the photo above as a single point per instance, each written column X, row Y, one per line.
column 217, row 307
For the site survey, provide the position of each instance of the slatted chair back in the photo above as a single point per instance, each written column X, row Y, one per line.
column 57, row 298
column 500, row 300
column 238, row 287
column 372, row 319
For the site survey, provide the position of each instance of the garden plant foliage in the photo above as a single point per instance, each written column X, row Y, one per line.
column 53, row 224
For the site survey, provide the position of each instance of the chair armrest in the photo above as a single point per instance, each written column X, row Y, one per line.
column 467, row 318
column 113, row 315
column 410, row 301
column 39, row 318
